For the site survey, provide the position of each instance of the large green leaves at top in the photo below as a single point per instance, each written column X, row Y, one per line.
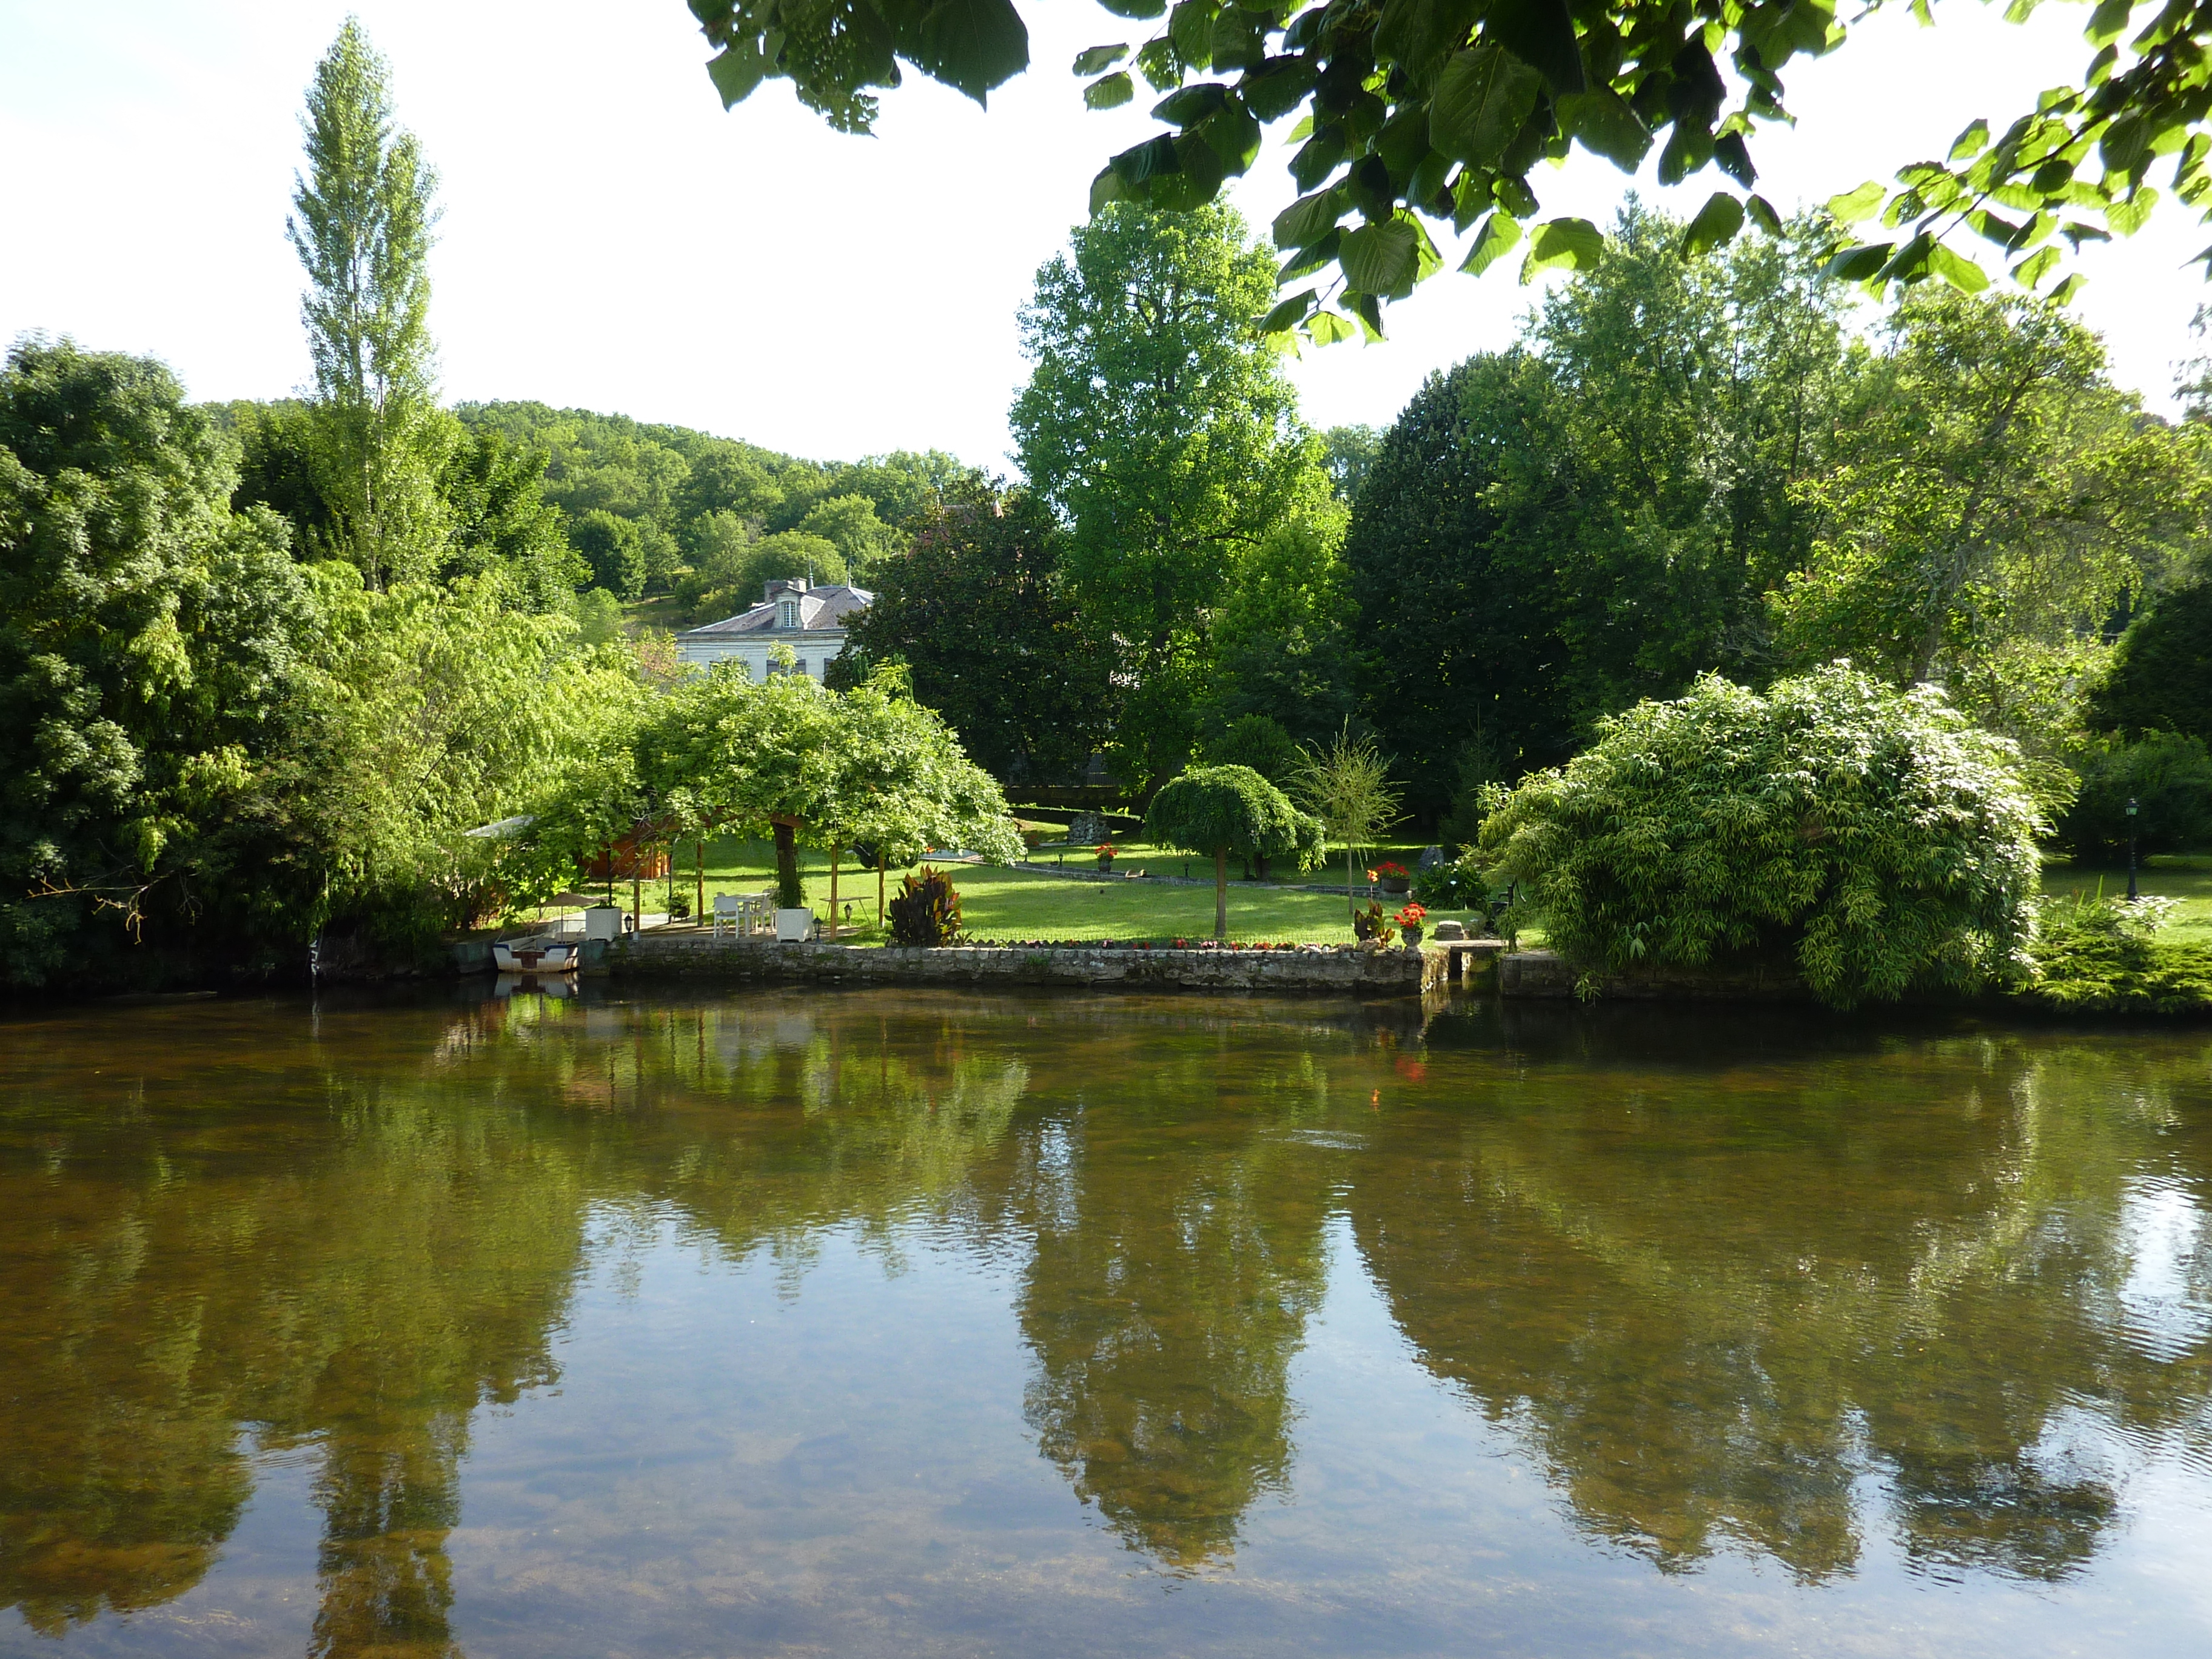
column 1483, row 97
column 973, row 45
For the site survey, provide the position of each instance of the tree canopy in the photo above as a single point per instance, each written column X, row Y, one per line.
column 1160, row 429
column 1422, row 112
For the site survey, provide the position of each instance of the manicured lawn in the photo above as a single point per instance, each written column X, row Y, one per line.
column 2184, row 876
column 1005, row 904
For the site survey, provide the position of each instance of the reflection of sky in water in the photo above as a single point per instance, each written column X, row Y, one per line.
column 2166, row 1302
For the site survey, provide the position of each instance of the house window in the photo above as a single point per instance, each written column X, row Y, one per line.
column 786, row 613
column 799, row 667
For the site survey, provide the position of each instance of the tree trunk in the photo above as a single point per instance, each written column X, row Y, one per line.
column 699, row 869
column 1348, row 898
column 1221, row 894
column 880, row 884
column 835, row 849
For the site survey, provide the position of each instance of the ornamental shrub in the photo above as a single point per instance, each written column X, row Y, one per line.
column 927, row 910
column 2102, row 956
column 2169, row 778
column 1871, row 837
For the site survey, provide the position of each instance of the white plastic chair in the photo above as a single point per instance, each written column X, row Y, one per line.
column 729, row 912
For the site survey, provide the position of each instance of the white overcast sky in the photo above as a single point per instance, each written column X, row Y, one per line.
column 612, row 240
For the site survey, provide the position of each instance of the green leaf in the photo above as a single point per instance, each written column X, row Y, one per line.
column 1858, row 265
column 1273, row 90
column 1380, row 258
column 1310, row 218
column 1763, row 215
column 1238, row 42
column 1197, row 177
column 1190, row 27
column 1110, row 91
column 1715, row 225
column 2067, row 289
column 1110, row 186
column 2034, row 268
column 1498, row 237
column 1601, row 121
column 1307, row 260
column 1563, row 244
column 1327, row 328
column 1289, row 313
column 1091, row 60
column 1734, row 158
column 1971, row 143
column 2108, row 22
column 1957, row 270
column 973, row 45
column 1188, row 106
column 2127, row 216
column 1852, row 206
column 1317, row 157
column 1368, row 310
column 1416, row 35
column 1482, row 98
column 1514, row 196
column 737, row 70
column 1540, row 33
column 1140, row 162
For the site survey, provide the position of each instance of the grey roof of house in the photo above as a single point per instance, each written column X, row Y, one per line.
column 819, row 608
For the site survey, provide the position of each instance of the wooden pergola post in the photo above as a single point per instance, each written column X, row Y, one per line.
column 699, row 864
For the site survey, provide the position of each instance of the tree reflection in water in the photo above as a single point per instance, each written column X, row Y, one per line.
column 1724, row 1280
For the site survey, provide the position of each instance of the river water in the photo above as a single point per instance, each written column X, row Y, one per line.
column 922, row 1324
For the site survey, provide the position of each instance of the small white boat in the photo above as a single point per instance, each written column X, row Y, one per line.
column 536, row 956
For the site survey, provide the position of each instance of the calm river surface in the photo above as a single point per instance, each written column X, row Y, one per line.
column 920, row 1323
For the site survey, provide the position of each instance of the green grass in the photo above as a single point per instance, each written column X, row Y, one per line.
column 1008, row 904
column 2186, row 877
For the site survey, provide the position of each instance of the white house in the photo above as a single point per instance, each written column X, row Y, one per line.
column 809, row 620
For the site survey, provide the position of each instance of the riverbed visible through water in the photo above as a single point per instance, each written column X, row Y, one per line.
column 919, row 1324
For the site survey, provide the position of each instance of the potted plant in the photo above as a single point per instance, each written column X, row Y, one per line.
column 1106, row 856
column 1392, row 877
column 1409, row 921
column 1370, row 926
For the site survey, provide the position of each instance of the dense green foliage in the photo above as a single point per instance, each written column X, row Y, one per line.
column 2103, row 957
column 979, row 614
column 1430, row 112
column 1550, row 532
column 2169, row 779
column 1871, row 839
column 1692, row 468
column 1259, row 742
column 1216, row 811
column 1159, row 428
column 2161, row 673
column 216, row 748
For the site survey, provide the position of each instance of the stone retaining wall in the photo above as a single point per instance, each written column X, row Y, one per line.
column 698, row 955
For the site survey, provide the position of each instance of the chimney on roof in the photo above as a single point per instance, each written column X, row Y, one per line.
column 785, row 585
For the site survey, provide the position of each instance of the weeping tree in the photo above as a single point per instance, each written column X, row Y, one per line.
column 1220, row 809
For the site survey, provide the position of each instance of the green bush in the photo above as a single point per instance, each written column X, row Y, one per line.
column 926, row 911
column 2170, row 779
column 1871, row 837
column 2162, row 675
column 2101, row 956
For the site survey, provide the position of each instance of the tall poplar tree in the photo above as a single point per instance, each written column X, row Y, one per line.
column 1158, row 424
column 362, row 224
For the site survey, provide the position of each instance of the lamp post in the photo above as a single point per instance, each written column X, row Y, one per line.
column 2132, row 849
